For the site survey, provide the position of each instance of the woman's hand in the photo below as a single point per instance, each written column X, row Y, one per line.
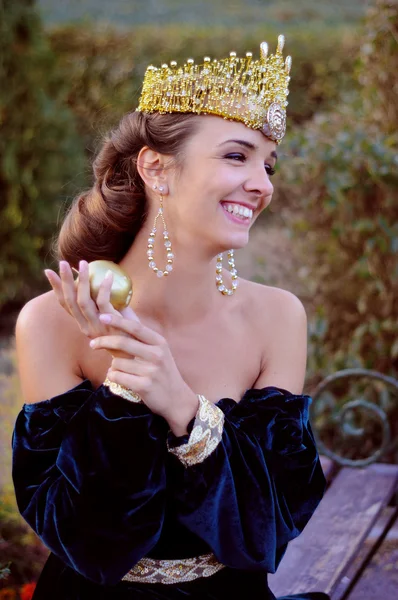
column 150, row 370
column 75, row 298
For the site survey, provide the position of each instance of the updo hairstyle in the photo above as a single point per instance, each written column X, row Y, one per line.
column 103, row 222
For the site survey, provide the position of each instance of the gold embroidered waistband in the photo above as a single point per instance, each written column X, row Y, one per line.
column 151, row 570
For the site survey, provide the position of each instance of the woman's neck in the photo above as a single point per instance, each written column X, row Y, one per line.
column 184, row 297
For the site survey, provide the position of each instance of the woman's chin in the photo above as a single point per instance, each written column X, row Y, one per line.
column 235, row 242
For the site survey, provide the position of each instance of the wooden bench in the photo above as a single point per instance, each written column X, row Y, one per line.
column 352, row 520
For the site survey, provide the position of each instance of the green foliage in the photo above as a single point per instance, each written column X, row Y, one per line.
column 22, row 555
column 39, row 151
column 239, row 13
column 342, row 181
column 378, row 65
column 10, row 404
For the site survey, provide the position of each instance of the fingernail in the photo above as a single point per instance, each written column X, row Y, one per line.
column 47, row 273
column 105, row 318
column 82, row 265
column 93, row 343
column 63, row 266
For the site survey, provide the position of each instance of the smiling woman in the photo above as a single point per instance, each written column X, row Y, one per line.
column 153, row 456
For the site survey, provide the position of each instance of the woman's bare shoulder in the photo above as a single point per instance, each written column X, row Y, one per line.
column 44, row 306
column 268, row 302
column 47, row 341
column 281, row 326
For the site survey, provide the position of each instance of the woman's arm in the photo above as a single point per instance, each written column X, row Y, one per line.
column 141, row 358
column 48, row 349
column 284, row 332
column 252, row 491
column 248, row 477
column 88, row 466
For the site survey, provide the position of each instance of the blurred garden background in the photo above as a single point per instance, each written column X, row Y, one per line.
column 69, row 70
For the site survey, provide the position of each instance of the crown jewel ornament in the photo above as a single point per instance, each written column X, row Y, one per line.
column 253, row 92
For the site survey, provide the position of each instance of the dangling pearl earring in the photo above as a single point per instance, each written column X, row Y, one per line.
column 234, row 274
column 167, row 243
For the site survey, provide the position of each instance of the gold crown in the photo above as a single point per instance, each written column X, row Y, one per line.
column 242, row 89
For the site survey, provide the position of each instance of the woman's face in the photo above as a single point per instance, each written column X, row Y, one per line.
column 226, row 168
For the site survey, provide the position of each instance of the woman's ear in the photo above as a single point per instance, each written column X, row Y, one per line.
column 150, row 166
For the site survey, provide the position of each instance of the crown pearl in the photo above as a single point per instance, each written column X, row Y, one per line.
column 264, row 50
column 281, row 43
column 249, row 54
column 173, row 63
column 288, row 64
column 190, row 61
column 165, row 66
column 207, row 59
column 232, row 54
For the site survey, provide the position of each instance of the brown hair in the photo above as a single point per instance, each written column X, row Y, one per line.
column 102, row 222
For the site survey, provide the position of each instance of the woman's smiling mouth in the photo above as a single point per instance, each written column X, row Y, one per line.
column 237, row 212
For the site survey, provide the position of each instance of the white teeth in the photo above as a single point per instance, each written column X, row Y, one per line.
column 238, row 210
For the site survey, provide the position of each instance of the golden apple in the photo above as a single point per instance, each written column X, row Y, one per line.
column 122, row 287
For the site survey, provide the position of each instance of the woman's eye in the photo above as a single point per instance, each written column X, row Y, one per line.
column 242, row 158
column 236, row 156
column 270, row 170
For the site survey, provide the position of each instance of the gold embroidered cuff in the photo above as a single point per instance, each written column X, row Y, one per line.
column 150, row 570
column 120, row 390
column 205, row 436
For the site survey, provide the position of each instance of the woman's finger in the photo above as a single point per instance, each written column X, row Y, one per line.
column 134, row 328
column 103, row 300
column 56, row 285
column 69, row 292
column 127, row 345
column 84, row 301
column 129, row 314
column 138, row 384
column 131, row 366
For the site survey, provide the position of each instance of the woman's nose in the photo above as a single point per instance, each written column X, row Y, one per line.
column 259, row 182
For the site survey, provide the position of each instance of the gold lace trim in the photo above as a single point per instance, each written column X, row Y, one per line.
column 150, row 570
column 205, row 435
column 120, row 390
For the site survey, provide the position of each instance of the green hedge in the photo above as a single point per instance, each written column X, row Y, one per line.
column 341, row 181
column 378, row 65
column 40, row 153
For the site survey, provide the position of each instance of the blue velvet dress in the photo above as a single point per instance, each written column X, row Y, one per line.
column 95, row 479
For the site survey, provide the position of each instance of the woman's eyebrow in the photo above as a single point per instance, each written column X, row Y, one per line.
column 244, row 143
column 248, row 145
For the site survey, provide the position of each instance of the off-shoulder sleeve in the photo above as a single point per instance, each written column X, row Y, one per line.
column 247, row 476
column 89, row 478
